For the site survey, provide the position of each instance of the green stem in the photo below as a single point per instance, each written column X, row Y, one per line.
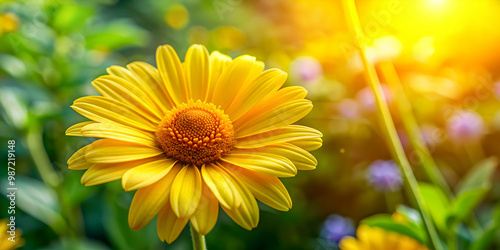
column 198, row 239
column 388, row 127
column 40, row 158
column 412, row 129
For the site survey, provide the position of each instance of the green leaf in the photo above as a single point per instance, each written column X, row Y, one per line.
column 12, row 65
column 490, row 232
column 464, row 204
column 410, row 214
column 478, row 177
column 14, row 107
column 71, row 17
column 36, row 199
column 436, row 203
column 75, row 192
column 471, row 190
column 115, row 35
column 385, row 222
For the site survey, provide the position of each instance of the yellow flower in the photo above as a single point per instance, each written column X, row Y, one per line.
column 190, row 136
column 14, row 242
column 374, row 238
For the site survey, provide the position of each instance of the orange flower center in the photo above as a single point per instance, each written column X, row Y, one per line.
column 195, row 133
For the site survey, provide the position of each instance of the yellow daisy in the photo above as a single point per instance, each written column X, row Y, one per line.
column 374, row 238
column 190, row 136
column 9, row 241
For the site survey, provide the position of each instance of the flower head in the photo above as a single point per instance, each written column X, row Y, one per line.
column 336, row 227
column 384, row 176
column 465, row 126
column 195, row 135
column 373, row 238
column 5, row 234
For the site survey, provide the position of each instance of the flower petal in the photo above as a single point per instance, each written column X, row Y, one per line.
column 221, row 184
column 265, row 188
column 197, row 71
column 186, row 191
column 109, row 151
column 168, row 225
column 205, row 217
column 271, row 164
column 103, row 109
column 76, row 130
column 289, row 134
column 149, row 200
column 308, row 144
column 283, row 115
column 218, row 63
column 272, row 101
column 171, row 73
column 267, row 82
column 300, row 158
column 129, row 94
column 147, row 173
column 78, row 162
column 152, row 84
column 231, row 80
column 247, row 214
column 119, row 132
column 105, row 172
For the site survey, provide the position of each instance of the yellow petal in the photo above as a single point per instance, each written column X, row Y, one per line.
column 119, row 132
column 247, row 214
column 105, row 172
column 272, row 101
column 267, row 82
column 283, row 115
column 106, row 110
column 231, row 80
column 218, row 63
column 77, row 161
column 152, row 84
column 265, row 188
column 290, row 133
column 148, row 173
column 221, row 185
column 205, row 217
column 275, row 165
column 186, row 191
column 109, row 151
column 300, row 158
column 76, row 130
column 308, row 144
column 149, row 200
column 168, row 225
column 129, row 94
column 171, row 73
column 197, row 71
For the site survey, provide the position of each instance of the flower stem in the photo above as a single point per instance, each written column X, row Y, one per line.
column 42, row 162
column 385, row 118
column 198, row 239
column 412, row 129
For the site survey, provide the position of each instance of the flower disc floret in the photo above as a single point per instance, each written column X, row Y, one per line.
column 196, row 133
